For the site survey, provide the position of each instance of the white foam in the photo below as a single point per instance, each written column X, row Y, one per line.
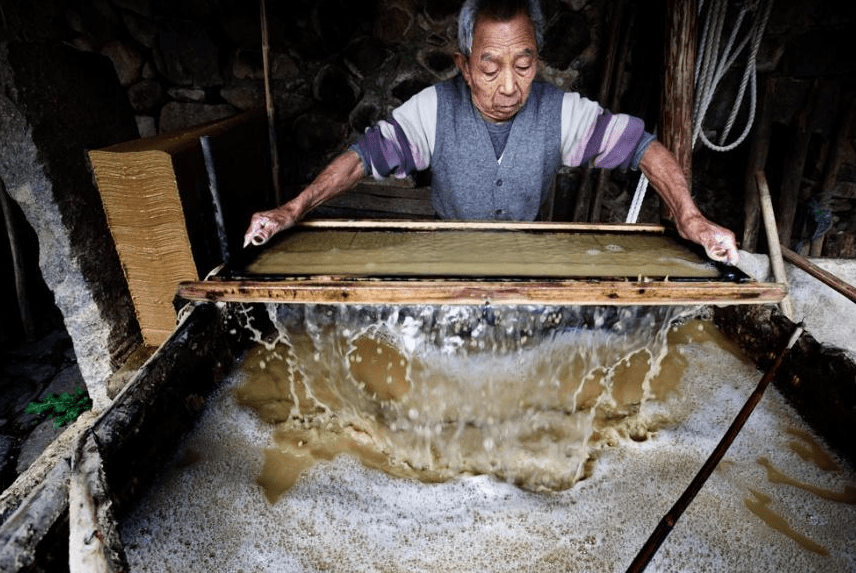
column 210, row 515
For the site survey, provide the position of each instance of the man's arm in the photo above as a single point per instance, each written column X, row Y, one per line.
column 662, row 170
column 340, row 175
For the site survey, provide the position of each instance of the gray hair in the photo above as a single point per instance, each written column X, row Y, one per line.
column 502, row 10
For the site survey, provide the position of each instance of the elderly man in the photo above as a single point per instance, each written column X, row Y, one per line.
column 493, row 138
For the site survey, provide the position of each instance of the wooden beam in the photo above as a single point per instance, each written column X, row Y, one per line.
column 560, row 292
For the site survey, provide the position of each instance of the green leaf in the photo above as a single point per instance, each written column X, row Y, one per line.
column 65, row 407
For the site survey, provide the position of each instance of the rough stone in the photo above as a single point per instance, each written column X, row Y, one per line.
column 394, row 25
column 290, row 105
column 337, row 21
column 244, row 96
column 176, row 115
column 146, row 125
column 57, row 103
column 7, row 460
column 126, row 60
column 188, row 55
column 335, row 90
column 365, row 56
column 35, row 444
column 141, row 7
column 314, row 132
column 248, row 65
column 283, row 67
column 187, row 95
column 440, row 63
column 141, row 29
column 146, row 95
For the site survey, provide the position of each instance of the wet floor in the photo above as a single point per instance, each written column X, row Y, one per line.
column 779, row 501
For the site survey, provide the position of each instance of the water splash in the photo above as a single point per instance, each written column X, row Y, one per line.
column 432, row 392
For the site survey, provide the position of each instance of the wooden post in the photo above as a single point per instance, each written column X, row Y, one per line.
column 757, row 160
column 794, row 167
column 676, row 109
column 582, row 207
column 611, row 89
column 833, row 165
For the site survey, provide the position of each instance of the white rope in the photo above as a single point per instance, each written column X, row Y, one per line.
column 711, row 66
column 638, row 196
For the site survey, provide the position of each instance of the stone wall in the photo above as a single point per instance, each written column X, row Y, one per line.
column 55, row 103
column 336, row 66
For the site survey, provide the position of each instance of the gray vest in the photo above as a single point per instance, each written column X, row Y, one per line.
column 468, row 183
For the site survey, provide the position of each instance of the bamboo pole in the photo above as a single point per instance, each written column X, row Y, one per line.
column 269, row 105
column 773, row 244
column 820, row 274
column 668, row 522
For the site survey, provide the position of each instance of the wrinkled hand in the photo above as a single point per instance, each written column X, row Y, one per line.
column 265, row 224
column 718, row 242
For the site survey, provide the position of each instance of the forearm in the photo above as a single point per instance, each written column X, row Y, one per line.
column 665, row 175
column 340, row 175
column 662, row 170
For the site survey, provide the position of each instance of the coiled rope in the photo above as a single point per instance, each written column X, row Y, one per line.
column 711, row 66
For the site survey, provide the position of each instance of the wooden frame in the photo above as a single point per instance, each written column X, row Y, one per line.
column 732, row 287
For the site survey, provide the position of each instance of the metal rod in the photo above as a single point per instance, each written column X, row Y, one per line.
column 208, row 156
column 668, row 522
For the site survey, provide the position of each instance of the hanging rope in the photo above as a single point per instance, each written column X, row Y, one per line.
column 711, row 66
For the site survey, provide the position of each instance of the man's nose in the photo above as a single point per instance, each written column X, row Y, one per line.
column 506, row 84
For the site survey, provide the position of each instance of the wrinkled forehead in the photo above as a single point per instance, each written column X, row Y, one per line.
column 516, row 35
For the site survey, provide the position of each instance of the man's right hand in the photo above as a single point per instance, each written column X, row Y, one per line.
column 265, row 224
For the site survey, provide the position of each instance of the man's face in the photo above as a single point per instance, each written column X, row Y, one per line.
column 501, row 67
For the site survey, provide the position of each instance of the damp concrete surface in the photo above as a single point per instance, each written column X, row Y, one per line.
column 206, row 511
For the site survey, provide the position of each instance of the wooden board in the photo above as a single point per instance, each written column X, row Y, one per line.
column 442, row 262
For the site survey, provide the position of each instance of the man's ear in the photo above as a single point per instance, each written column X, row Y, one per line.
column 464, row 65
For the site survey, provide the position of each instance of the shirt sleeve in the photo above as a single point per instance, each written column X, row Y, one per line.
column 403, row 143
column 593, row 135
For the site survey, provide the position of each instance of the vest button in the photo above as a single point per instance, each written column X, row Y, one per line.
column 499, row 182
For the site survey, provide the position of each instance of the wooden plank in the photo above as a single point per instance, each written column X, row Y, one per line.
column 608, row 293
